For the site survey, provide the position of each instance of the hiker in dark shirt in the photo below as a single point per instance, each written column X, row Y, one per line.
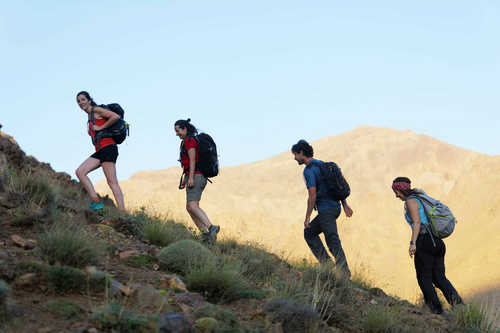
column 428, row 250
column 328, row 210
column 193, row 179
column 106, row 152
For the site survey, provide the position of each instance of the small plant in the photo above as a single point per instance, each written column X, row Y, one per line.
column 62, row 279
column 220, row 282
column 474, row 318
column 117, row 318
column 226, row 319
column 69, row 244
column 63, row 308
column 294, row 316
column 33, row 187
column 258, row 264
column 184, row 255
column 379, row 320
column 162, row 233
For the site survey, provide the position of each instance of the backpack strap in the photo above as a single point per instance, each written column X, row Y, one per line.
column 418, row 198
column 184, row 151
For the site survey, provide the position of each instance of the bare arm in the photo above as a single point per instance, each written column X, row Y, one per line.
column 311, row 201
column 106, row 114
column 347, row 209
column 413, row 206
column 192, row 166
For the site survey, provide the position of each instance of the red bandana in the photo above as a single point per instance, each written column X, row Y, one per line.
column 401, row 186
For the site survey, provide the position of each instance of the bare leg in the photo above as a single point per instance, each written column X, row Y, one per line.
column 109, row 169
column 89, row 165
column 198, row 215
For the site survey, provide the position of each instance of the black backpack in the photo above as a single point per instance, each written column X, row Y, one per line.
column 118, row 131
column 208, row 163
column 337, row 186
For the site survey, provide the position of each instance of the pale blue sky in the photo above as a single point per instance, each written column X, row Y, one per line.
column 257, row 75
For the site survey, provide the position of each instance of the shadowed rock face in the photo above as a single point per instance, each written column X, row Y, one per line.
column 266, row 200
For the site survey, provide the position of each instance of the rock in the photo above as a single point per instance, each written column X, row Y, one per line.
column 24, row 243
column 374, row 302
column 172, row 282
column 192, row 299
column 92, row 330
column 174, row 323
column 26, row 280
column 378, row 292
column 127, row 254
column 206, row 325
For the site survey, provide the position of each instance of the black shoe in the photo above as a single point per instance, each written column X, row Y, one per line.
column 205, row 237
column 213, row 230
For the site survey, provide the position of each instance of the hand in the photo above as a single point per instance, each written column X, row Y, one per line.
column 96, row 128
column 182, row 185
column 190, row 183
column 306, row 223
column 347, row 210
column 412, row 250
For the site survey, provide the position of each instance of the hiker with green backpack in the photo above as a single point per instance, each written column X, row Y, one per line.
column 430, row 221
column 327, row 188
column 199, row 161
column 107, row 129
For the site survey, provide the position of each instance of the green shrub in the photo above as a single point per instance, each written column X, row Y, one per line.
column 162, row 233
column 294, row 316
column 220, row 282
column 473, row 318
column 226, row 318
column 69, row 244
column 117, row 318
column 64, row 308
column 257, row 264
column 184, row 255
column 62, row 279
column 32, row 186
column 379, row 319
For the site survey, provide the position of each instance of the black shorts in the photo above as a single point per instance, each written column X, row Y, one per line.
column 107, row 154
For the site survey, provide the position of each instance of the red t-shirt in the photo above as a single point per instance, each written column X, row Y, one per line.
column 189, row 142
column 104, row 141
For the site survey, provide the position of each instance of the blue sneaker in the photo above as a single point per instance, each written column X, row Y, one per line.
column 95, row 206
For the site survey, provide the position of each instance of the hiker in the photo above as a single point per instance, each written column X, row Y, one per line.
column 328, row 210
column 105, row 155
column 428, row 250
column 193, row 179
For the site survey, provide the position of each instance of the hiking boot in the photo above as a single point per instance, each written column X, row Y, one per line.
column 213, row 230
column 205, row 237
column 95, row 206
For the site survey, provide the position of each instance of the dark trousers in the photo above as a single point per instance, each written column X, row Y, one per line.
column 326, row 222
column 429, row 265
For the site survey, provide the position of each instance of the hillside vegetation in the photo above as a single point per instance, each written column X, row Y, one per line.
column 265, row 202
column 66, row 269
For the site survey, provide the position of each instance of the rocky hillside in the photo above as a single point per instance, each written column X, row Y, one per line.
column 66, row 269
column 270, row 195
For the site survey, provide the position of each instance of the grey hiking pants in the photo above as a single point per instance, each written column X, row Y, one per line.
column 326, row 222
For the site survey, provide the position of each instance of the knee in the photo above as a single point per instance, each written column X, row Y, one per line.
column 79, row 173
column 189, row 207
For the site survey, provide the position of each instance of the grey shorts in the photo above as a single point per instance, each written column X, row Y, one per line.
column 194, row 193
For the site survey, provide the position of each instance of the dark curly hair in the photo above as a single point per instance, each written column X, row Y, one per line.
column 186, row 124
column 304, row 147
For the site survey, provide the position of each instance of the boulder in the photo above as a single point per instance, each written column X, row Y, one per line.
column 174, row 323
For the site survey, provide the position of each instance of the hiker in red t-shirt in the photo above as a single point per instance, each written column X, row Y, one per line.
column 196, row 181
column 105, row 155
